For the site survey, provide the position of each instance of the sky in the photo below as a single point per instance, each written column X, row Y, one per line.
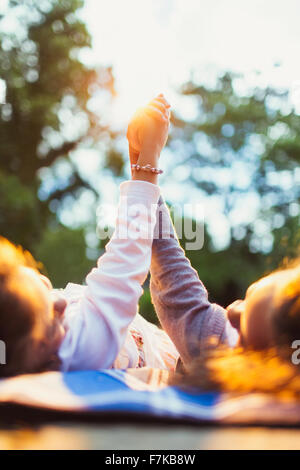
column 155, row 45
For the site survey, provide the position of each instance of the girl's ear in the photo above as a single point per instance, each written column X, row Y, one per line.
column 234, row 313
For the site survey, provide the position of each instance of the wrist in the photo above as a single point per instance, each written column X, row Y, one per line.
column 148, row 156
column 145, row 173
column 144, row 176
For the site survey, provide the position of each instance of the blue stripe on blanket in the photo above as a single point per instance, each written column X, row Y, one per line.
column 109, row 392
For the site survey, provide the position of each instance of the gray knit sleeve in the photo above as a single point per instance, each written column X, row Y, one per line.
column 179, row 297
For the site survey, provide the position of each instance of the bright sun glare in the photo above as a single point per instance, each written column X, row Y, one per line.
column 133, row 38
column 154, row 45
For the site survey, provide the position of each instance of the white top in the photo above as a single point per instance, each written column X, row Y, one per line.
column 98, row 315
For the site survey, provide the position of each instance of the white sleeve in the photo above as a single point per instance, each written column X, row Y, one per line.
column 96, row 325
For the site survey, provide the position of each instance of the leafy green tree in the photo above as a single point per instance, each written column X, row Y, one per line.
column 45, row 117
column 18, row 214
column 63, row 251
column 242, row 146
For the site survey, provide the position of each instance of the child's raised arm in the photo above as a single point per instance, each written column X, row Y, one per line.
column 96, row 326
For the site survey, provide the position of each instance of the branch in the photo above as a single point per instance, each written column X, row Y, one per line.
column 61, row 151
column 77, row 183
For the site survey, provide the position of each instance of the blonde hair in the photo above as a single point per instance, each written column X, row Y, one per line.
column 241, row 371
column 18, row 307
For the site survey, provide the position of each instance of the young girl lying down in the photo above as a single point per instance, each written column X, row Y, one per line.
column 93, row 326
column 249, row 346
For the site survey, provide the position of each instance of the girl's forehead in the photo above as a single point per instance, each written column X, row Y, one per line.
column 37, row 276
column 260, row 301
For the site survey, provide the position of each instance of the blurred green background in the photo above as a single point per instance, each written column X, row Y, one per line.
column 238, row 151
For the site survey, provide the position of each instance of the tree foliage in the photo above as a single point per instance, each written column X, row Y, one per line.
column 241, row 146
column 46, row 115
column 63, row 253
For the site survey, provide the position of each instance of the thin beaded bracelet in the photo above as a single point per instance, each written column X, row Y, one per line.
column 147, row 167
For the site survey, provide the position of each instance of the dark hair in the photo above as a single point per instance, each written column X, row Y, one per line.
column 17, row 308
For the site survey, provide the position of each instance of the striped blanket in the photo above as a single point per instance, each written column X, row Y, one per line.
column 140, row 393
